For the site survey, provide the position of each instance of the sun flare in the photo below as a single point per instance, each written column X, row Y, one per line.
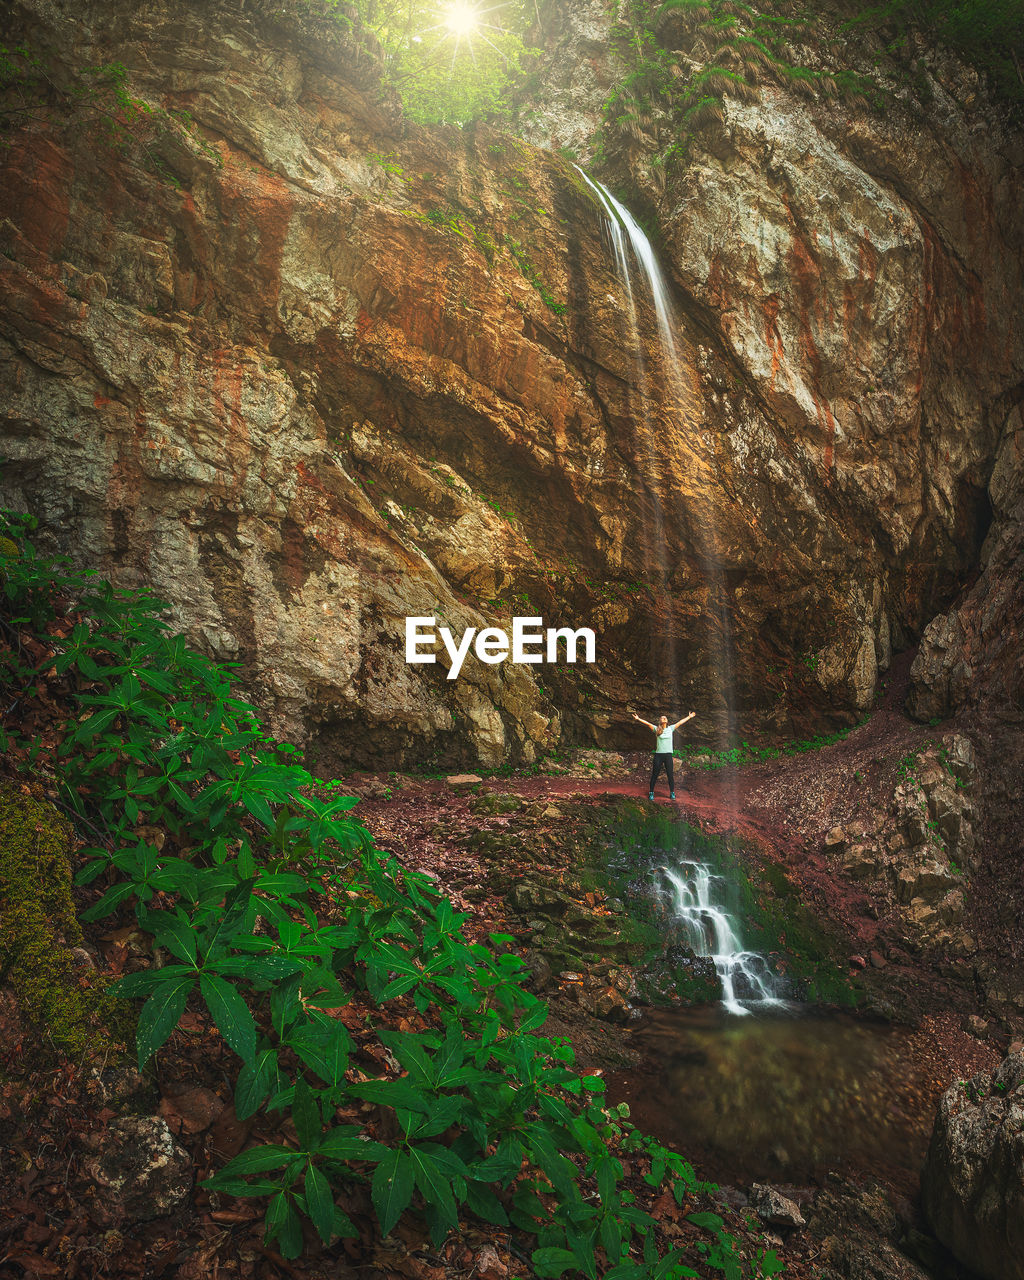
column 462, row 20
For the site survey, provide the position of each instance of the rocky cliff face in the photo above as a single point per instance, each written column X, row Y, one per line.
column 311, row 369
column 971, row 1188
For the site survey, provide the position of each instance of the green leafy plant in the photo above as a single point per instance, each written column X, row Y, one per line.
column 529, row 273
column 275, row 911
column 698, row 757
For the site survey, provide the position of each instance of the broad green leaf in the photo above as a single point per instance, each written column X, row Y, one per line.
column 255, row 1081
column 392, row 1093
column 485, row 1204
column 160, row 1015
column 392, row 1189
column 551, row 1262
column 147, row 980
column 230, row 1013
column 174, row 931
column 110, row 901
column 235, row 904
column 411, row 1053
column 503, row 1165
column 444, row 1112
column 253, row 1160
column 319, row 1203
column 283, row 1225
column 346, row 1143
column 435, row 1187
column 710, row 1221
column 324, row 1046
column 306, row 1115
column 610, row 1235
column 242, row 1189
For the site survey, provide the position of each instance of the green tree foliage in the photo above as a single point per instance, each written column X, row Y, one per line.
column 451, row 60
column 275, row 911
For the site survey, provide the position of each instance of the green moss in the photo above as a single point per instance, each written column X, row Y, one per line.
column 40, row 927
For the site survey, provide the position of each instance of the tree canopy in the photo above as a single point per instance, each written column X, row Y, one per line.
column 453, row 60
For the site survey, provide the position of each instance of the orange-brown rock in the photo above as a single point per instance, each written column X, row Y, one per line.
column 316, row 369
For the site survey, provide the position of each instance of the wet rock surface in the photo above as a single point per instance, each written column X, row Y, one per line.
column 855, row 1228
column 973, row 1182
column 772, row 1207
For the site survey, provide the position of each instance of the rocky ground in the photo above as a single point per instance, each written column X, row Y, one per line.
column 102, row 1174
column 874, row 831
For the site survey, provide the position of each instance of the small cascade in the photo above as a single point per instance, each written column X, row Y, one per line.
column 704, row 903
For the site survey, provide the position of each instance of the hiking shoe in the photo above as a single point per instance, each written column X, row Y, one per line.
column 672, row 796
column 651, row 796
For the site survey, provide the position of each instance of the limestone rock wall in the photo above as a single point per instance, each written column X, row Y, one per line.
column 971, row 1188
column 316, row 369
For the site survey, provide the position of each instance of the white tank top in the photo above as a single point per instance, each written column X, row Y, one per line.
column 663, row 744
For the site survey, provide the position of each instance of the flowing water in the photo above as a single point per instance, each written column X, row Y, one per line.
column 632, row 248
column 705, row 903
column 656, row 550
column 784, row 1095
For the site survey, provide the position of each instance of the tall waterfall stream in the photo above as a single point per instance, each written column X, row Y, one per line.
column 701, row 899
column 676, row 395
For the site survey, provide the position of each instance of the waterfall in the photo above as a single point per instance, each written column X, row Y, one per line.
column 701, row 902
column 622, row 227
column 619, row 219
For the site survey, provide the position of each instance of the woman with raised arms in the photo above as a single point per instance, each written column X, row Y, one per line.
column 663, row 750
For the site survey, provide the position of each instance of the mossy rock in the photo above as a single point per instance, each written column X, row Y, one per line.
column 494, row 802
column 40, row 930
column 492, row 844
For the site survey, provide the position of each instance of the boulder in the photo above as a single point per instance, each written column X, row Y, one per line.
column 528, row 898
column 611, row 1005
column 856, row 1229
column 774, row 1208
column 140, row 1172
column 835, row 841
column 972, row 1187
column 539, row 973
column 861, row 862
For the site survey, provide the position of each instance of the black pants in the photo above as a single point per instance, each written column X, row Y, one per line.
column 662, row 759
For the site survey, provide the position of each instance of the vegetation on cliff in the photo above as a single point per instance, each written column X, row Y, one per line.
column 269, row 907
column 683, row 58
